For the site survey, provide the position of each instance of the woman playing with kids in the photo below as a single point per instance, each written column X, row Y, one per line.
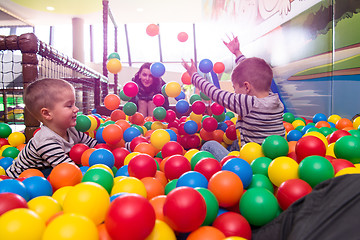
column 148, row 87
column 259, row 110
column 52, row 102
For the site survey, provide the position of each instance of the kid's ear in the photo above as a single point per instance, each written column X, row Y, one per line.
column 45, row 113
column 247, row 87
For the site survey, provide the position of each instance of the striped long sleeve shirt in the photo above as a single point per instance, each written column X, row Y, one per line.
column 47, row 149
column 258, row 117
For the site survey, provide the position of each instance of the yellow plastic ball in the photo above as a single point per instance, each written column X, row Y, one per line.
column 20, row 224
column 45, row 206
column 129, row 157
column 70, row 226
column 129, row 185
column 234, row 153
column 224, row 144
column 251, row 151
column 349, row 170
column 159, row 137
column 297, row 123
column 88, row 199
column 118, row 178
column 157, row 125
column 173, row 89
column 356, row 123
column 94, row 123
column 333, row 118
column 161, row 231
column 234, row 119
column 227, row 140
column 2, row 171
column 16, row 138
column 234, row 238
column 190, row 153
column 113, row 65
column 282, row 169
column 330, row 150
column 60, row 194
column 318, row 135
column 196, row 117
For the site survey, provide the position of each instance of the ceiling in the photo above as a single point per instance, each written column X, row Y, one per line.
column 52, row 12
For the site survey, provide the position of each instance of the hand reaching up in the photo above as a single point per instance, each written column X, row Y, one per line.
column 233, row 45
column 191, row 69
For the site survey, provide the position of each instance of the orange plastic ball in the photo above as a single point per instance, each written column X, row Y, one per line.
column 227, row 188
column 112, row 134
column 159, row 175
column 153, row 187
column 114, row 65
column 137, row 119
column 186, row 78
column 103, row 234
column 65, row 174
column 85, row 156
column 343, row 122
column 117, row 114
column 146, row 148
column 205, row 135
column 206, row 232
column 123, row 124
column 288, row 126
column 218, row 135
column 322, row 124
column 158, row 204
column 31, row 172
column 112, row 101
column 292, row 145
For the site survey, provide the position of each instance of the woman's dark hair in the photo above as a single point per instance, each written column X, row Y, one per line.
column 136, row 77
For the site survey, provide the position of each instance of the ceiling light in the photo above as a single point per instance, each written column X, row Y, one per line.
column 49, row 8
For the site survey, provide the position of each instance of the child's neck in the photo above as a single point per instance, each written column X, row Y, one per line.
column 59, row 131
column 261, row 94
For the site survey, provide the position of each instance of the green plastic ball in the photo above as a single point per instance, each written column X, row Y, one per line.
column 348, row 147
column 159, row 113
column 355, row 133
column 260, row 165
column 163, row 91
column 159, row 155
column 170, row 186
column 138, row 127
column 12, row 152
column 101, row 177
column 288, row 117
column 199, row 156
column 204, row 97
column 326, row 131
column 219, row 118
column 5, row 130
column 83, row 123
column 130, row 108
column 299, row 128
column 123, row 96
column 275, row 146
column 212, row 205
column 299, row 118
column 193, row 98
column 114, row 55
column 230, row 115
column 313, row 129
column 260, row 180
column 259, row 206
column 315, row 169
column 148, row 125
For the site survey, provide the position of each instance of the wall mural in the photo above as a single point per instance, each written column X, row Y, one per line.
column 314, row 47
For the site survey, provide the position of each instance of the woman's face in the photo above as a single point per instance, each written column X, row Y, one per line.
column 146, row 78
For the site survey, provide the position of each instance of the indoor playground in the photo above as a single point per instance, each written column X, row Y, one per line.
column 148, row 177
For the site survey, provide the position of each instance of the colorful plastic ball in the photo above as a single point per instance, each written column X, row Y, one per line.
column 137, row 140
column 112, row 101
column 250, row 151
column 171, row 185
column 14, row 186
column 333, row 118
column 114, row 55
column 339, row 164
column 129, row 185
column 348, row 147
column 212, row 205
column 227, row 188
column 282, row 169
column 207, row 167
column 71, row 226
column 292, row 190
column 170, row 116
column 16, row 138
column 112, row 134
column 37, row 186
column 6, row 162
column 259, row 206
column 159, row 137
column 171, row 148
column 309, row 145
column 260, row 165
column 157, row 69
column 76, row 152
column 319, row 117
column 12, row 152
column 315, row 169
column 129, row 108
column 11, row 201
column 131, row 133
column 159, row 113
column 65, row 174
column 233, row 224
column 142, row 165
column 205, row 66
column 216, row 108
column 102, row 156
column 122, row 171
column 194, row 98
column 219, row 67
column 152, row 30
column 186, row 78
column 130, row 89
column 101, row 177
column 337, row 135
column 158, row 99
column 294, row 135
column 184, row 209
column 198, row 156
column 190, row 127
column 21, row 223
column 288, row 117
column 161, row 231
column 219, row 118
column 275, row 146
column 343, row 123
column 175, row 166
column 5, row 130
column 198, row 107
column 206, row 232
column 114, row 65
column 241, row 168
column 210, row 124
column 182, row 36
column 88, row 199
column 153, row 187
column 192, row 179
column 180, row 97
column 45, row 206
column 123, row 97
column 182, row 106
column 173, row 89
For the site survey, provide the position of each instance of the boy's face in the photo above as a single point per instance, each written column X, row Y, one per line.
column 238, row 89
column 64, row 110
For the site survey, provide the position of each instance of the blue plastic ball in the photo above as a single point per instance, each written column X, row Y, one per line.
column 84, row 169
column 122, row 171
column 99, row 136
column 305, row 128
column 14, row 186
column 173, row 136
column 222, row 126
column 116, row 195
column 190, row 127
column 319, row 117
column 205, row 65
column 241, row 168
column 37, row 186
column 131, row 133
column 157, row 69
column 102, row 156
column 221, row 211
column 6, row 162
column 192, row 179
column 181, row 96
column 294, row 135
column 182, row 106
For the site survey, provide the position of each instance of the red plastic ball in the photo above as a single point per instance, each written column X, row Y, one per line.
column 292, row 190
column 175, row 166
column 130, row 216
column 198, row 107
column 152, row 30
column 339, row 164
column 219, row 67
column 193, row 141
column 226, row 158
column 142, row 165
column 308, row 146
column 230, row 132
column 207, row 167
column 233, row 224
column 119, row 156
column 184, row 209
column 137, row 119
column 130, row 89
column 171, row 148
column 112, row 134
column 136, row 141
column 210, row 124
column 216, row 108
column 186, row 78
column 102, row 145
column 158, row 100
column 115, row 115
column 76, row 151
column 337, row 134
column 170, row 116
column 9, row 201
column 182, row 36
column 4, row 141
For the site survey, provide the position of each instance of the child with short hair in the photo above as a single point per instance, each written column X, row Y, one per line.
column 259, row 110
column 52, row 102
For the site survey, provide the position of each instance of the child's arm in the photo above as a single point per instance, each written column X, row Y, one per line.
column 86, row 139
column 234, row 46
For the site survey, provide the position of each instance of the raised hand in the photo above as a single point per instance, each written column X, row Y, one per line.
column 191, row 69
column 233, row 45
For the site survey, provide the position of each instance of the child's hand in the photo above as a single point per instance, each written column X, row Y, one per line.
column 233, row 45
column 191, row 69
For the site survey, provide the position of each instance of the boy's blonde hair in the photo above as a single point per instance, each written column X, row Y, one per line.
column 44, row 93
column 255, row 71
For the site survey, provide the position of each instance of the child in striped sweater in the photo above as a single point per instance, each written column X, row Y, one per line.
column 259, row 110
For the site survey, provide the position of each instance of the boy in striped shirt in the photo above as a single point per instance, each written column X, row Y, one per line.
column 259, row 110
column 52, row 102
